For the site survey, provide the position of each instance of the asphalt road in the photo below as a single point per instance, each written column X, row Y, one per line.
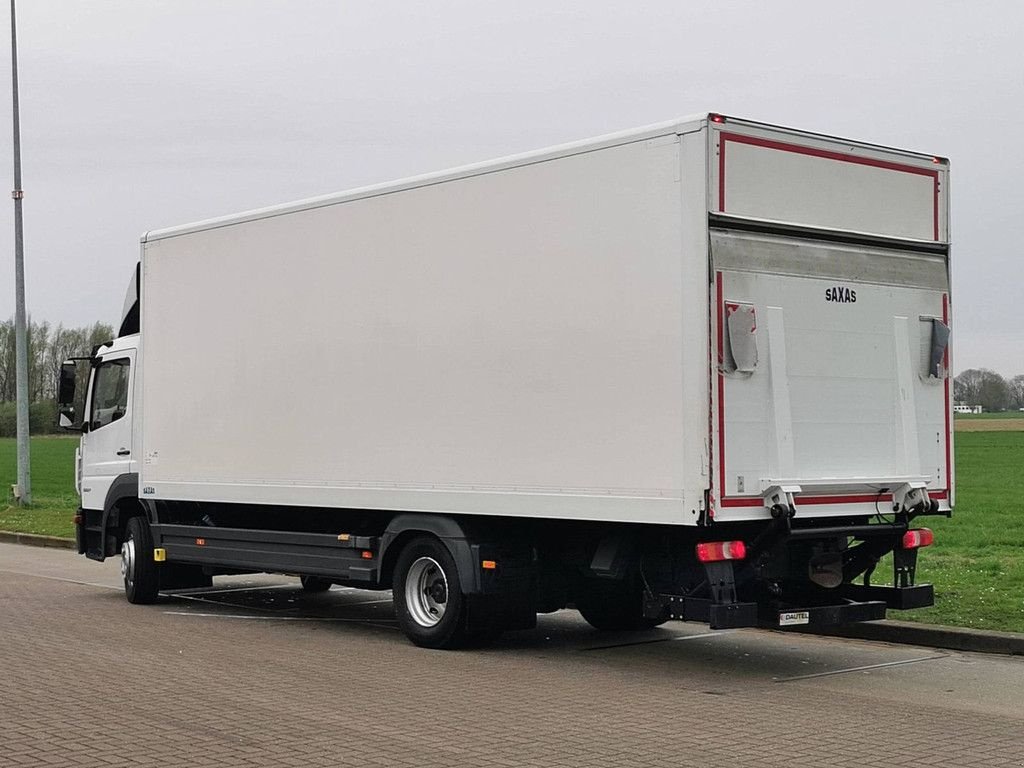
column 255, row 672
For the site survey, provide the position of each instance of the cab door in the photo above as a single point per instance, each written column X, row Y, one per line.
column 107, row 439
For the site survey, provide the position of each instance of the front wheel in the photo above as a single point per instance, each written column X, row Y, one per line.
column 138, row 569
column 429, row 603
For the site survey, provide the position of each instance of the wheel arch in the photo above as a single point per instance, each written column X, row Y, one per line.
column 121, row 503
column 451, row 532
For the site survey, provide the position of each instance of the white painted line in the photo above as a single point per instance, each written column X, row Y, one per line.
column 196, row 598
column 209, row 591
column 250, row 617
column 228, row 605
column 652, row 641
column 199, row 598
column 66, row 581
column 716, row 633
column 257, row 588
column 859, row 669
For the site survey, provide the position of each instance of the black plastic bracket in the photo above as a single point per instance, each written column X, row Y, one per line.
column 721, row 581
column 904, row 564
column 897, row 598
column 717, row 616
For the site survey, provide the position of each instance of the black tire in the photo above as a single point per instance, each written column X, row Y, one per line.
column 139, row 570
column 315, row 584
column 442, row 575
column 614, row 606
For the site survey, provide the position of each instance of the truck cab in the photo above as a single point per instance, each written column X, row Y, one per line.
column 106, row 464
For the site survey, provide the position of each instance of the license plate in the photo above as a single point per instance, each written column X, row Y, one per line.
column 793, row 618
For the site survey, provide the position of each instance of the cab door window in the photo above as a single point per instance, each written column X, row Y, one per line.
column 109, row 393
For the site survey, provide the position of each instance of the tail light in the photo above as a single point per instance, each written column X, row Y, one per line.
column 714, row 551
column 917, row 538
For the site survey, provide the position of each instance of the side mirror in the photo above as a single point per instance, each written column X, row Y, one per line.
column 67, row 407
column 66, row 387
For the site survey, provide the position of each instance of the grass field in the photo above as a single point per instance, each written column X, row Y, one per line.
column 976, row 563
column 53, row 486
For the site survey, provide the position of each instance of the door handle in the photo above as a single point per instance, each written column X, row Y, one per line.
column 124, row 452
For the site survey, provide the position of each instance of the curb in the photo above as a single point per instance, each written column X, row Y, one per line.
column 931, row 636
column 36, row 540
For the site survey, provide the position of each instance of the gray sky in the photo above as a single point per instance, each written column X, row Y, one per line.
column 141, row 114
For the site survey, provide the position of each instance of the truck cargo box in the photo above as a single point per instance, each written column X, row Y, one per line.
column 658, row 326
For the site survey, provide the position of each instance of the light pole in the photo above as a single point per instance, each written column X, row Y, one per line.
column 24, row 491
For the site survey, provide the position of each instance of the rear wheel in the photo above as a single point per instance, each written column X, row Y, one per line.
column 138, row 569
column 614, row 605
column 429, row 603
column 314, row 584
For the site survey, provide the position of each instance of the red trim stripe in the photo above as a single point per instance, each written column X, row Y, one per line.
column 827, row 154
column 721, row 171
column 843, row 157
column 863, row 498
column 945, row 404
column 721, row 390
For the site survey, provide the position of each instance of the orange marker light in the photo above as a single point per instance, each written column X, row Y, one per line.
column 367, row 554
column 488, row 565
column 200, row 542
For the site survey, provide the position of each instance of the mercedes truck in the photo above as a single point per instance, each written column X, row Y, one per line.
column 694, row 371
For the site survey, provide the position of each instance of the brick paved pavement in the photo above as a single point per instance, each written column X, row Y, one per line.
column 294, row 680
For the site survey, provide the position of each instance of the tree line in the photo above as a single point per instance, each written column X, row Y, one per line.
column 980, row 386
column 48, row 346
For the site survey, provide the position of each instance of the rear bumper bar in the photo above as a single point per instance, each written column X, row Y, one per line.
column 735, row 615
column 855, row 603
column 822, row 615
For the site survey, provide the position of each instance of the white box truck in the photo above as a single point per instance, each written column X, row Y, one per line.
column 696, row 371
